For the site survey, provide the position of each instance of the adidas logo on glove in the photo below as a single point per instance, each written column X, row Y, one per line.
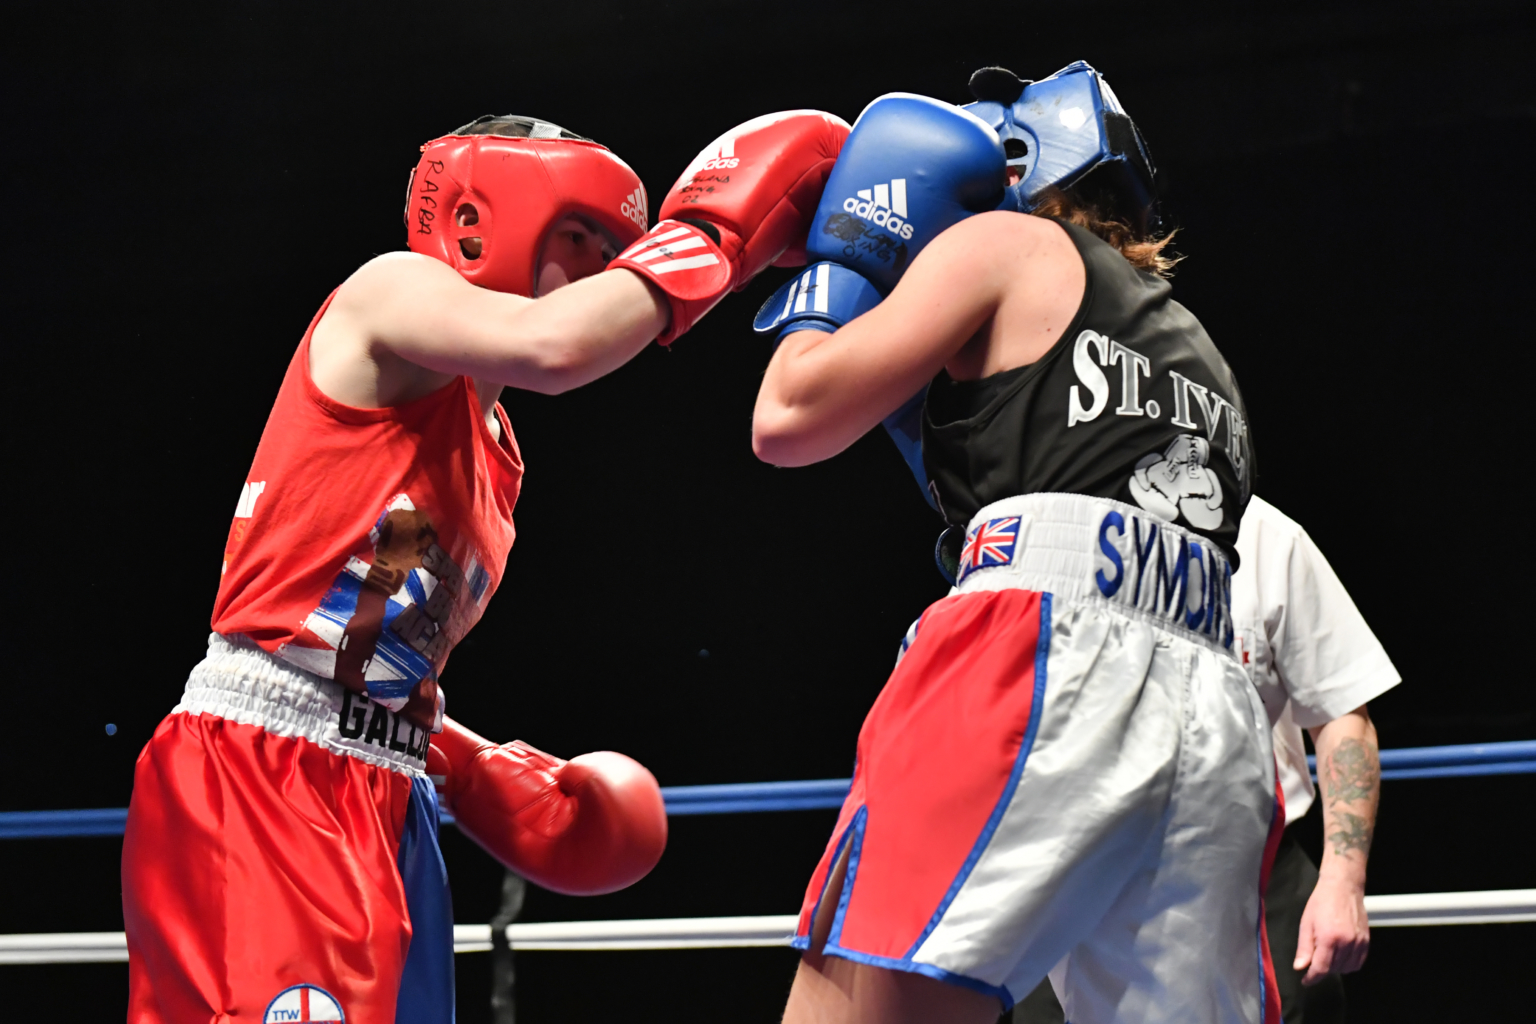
column 884, row 205
column 723, row 157
column 720, row 155
column 634, row 207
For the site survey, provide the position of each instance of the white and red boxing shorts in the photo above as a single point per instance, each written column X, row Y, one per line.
column 281, row 859
column 1068, row 772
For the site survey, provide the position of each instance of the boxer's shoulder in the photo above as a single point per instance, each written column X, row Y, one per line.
column 1000, row 244
column 997, row 229
column 410, row 303
column 392, row 277
column 351, row 358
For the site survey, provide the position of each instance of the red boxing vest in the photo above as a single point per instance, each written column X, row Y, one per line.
column 367, row 542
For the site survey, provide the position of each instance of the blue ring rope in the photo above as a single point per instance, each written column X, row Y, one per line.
column 1518, row 757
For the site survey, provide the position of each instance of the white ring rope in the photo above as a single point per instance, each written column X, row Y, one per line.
column 657, row 933
column 1497, row 906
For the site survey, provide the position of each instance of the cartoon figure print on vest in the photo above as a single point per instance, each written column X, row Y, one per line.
column 404, row 541
column 1176, row 483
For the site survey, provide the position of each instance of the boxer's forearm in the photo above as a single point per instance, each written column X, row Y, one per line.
column 822, row 392
column 422, row 311
column 557, row 342
column 589, row 329
column 815, row 401
column 1349, row 778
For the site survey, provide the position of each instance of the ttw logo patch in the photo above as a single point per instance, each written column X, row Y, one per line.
column 634, row 208
column 884, row 205
column 303, row 1003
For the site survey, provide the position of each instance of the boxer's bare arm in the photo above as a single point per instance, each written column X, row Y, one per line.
column 1335, row 936
column 404, row 324
column 991, row 293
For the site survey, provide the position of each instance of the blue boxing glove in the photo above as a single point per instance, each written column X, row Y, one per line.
column 825, row 297
column 911, row 167
column 924, row 165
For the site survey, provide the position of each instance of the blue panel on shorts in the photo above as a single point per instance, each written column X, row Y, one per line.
column 426, row 983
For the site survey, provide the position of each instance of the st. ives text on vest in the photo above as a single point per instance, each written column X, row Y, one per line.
column 1092, row 351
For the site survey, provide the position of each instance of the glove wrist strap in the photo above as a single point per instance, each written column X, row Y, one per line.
column 824, row 297
column 687, row 265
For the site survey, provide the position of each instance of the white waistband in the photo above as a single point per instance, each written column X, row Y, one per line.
column 243, row 683
column 1081, row 548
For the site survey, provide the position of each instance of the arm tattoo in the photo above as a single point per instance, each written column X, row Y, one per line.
column 1354, row 773
column 1352, row 832
column 1353, row 776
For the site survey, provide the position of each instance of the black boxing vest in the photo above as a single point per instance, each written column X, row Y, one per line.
column 1133, row 403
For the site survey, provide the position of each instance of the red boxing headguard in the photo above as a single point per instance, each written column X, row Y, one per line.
column 510, row 179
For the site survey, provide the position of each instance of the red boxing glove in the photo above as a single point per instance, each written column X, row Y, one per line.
column 582, row 827
column 756, row 188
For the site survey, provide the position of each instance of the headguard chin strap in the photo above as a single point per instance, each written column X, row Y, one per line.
column 509, row 180
column 1069, row 131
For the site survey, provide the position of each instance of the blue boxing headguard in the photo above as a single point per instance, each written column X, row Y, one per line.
column 1069, row 131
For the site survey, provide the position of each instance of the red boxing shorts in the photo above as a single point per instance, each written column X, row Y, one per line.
column 1068, row 772
column 281, row 858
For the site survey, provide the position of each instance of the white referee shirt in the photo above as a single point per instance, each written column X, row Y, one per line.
column 1301, row 639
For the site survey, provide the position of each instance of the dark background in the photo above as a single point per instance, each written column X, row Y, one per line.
column 185, row 183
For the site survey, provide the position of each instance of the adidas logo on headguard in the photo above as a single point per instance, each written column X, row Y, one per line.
column 634, row 208
column 885, row 205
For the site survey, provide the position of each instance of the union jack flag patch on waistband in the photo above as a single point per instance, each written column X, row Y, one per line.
column 988, row 544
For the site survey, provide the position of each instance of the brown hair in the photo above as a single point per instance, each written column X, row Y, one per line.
column 1145, row 252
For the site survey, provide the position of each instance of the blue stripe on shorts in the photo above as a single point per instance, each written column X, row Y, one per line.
column 426, row 982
